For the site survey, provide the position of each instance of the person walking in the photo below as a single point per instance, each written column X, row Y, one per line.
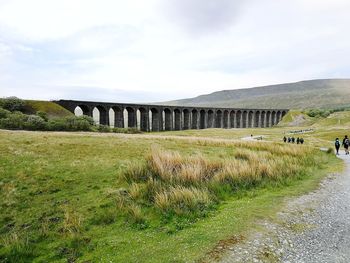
column 285, row 139
column 337, row 145
column 346, row 144
column 298, row 140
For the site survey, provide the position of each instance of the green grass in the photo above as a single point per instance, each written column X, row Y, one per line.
column 58, row 198
column 296, row 118
column 52, row 109
column 335, row 120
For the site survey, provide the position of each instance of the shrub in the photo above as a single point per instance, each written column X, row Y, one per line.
column 14, row 121
column 103, row 128
column 4, row 113
column 88, row 119
column 72, row 123
column 319, row 113
column 43, row 115
column 12, row 104
column 58, row 124
column 35, row 123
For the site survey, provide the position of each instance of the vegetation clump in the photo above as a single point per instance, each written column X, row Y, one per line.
column 178, row 186
column 17, row 114
column 13, row 115
column 12, row 104
column 324, row 113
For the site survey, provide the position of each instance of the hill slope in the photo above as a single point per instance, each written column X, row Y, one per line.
column 52, row 109
column 328, row 93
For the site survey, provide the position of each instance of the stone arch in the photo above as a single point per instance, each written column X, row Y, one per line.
column 131, row 117
column 218, row 120
column 144, row 122
column 226, row 119
column 186, row 122
column 256, row 119
column 268, row 119
column 82, row 110
column 279, row 117
column 263, row 119
column 283, row 114
column 202, row 119
column 239, row 119
column 194, row 124
column 100, row 115
column 155, row 119
column 168, row 119
column 233, row 119
column 250, row 119
column 273, row 118
column 210, row 119
column 118, row 117
column 177, row 119
column 244, row 119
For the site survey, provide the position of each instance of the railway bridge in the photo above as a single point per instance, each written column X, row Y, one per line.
column 148, row 117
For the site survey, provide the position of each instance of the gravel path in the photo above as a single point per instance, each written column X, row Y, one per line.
column 312, row 228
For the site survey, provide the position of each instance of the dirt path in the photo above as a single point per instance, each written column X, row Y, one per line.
column 312, row 228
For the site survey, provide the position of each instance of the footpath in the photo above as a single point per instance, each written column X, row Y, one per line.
column 312, row 228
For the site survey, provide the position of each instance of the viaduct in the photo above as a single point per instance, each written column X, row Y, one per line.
column 167, row 118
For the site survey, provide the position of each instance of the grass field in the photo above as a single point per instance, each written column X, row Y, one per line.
column 88, row 196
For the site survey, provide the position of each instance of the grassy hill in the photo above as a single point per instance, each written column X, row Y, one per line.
column 52, row 109
column 297, row 118
column 328, row 93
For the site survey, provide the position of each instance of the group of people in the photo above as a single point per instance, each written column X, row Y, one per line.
column 293, row 140
column 345, row 143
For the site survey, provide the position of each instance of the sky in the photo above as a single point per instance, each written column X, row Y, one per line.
column 158, row 50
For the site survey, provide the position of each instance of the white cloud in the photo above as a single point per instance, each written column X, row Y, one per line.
column 180, row 48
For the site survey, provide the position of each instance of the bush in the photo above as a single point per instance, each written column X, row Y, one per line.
column 4, row 113
column 35, row 123
column 89, row 119
column 126, row 130
column 103, row 128
column 12, row 104
column 43, row 115
column 72, row 123
column 14, row 121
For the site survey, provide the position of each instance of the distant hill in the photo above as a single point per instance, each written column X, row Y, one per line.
column 326, row 93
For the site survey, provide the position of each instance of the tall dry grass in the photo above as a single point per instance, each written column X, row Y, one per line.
column 181, row 199
column 72, row 221
column 173, row 183
column 171, row 167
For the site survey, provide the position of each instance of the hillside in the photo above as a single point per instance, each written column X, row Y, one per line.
column 327, row 93
column 52, row 109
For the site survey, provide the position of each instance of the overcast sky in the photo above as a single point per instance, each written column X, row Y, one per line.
column 154, row 50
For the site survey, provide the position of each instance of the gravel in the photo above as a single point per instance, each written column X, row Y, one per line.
column 312, row 228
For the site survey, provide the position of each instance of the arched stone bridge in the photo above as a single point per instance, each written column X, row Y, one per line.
column 159, row 117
